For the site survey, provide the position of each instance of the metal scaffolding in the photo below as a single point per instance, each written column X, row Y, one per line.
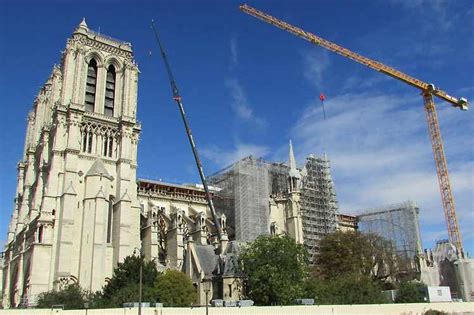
column 318, row 203
column 397, row 223
column 246, row 187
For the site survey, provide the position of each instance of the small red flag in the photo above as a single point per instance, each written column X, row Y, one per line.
column 322, row 97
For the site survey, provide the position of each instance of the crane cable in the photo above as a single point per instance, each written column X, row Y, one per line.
column 322, row 97
column 178, row 100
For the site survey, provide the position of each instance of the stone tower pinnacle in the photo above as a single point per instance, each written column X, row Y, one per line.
column 83, row 23
column 292, row 163
column 294, row 176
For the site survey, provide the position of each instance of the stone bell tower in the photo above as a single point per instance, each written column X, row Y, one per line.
column 76, row 210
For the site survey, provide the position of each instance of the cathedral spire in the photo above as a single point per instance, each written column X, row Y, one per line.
column 83, row 23
column 82, row 27
column 292, row 163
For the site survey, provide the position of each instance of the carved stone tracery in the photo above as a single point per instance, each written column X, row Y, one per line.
column 84, row 40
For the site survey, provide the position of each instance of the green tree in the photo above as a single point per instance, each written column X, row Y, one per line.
column 411, row 292
column 129, row 293
column 71, row 296
column 174, row 288
column 345, row 289
column 123, row 287
column 356, row 253
column 275, row 268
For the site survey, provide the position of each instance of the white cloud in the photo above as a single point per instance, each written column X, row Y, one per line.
column 436, row 9
column 315, row 62
column 380, row 153
column 435, row 235
column 241, row 106
column 358, row 83
column 223, row 158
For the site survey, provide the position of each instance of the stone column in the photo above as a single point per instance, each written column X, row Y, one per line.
column 66, row 248
column 6, row 279
column 56, row 85
column 29, row 132
column 175, row 241
column 79, row 76
column 93, row 232
column 19, row 283
column 119, row 83
column 68, row 72
column 132, row 108
column 294, row 221
column 64, row 253
column 100, row 89
column 25, row 204
column 126, row 88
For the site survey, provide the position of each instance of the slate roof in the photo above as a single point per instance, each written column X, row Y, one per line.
column 207, row 258
column 219, row 265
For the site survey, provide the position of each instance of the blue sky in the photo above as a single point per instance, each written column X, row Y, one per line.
column 248, row 88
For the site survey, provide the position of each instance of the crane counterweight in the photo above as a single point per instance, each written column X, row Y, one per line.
column 463, row 103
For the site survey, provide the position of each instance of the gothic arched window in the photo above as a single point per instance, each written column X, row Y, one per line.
column 105, row 140
column 111, row 146
column 89, row 142
column 91, row 85
column 108, row 143
column 110, row 91
column 40, row 234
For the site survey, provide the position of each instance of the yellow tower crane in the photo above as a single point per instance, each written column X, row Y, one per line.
column 427, row 90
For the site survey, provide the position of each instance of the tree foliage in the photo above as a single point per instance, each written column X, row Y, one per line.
column 124, row 285
column 411, row 292
column 174, row 288
column 356, row 253
column 71, row 296
column 128, row 273
column 129, row 293
column 275, row 268
column 345, row 289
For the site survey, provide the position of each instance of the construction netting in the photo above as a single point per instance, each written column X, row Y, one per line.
column 397, row 223
column 247, row 186
column 244, row 197
column 318, row 203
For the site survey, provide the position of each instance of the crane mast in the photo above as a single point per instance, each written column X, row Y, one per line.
column 178, row 100
column 428, row 90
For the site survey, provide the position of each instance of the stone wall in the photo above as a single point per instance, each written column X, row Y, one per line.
column 387, row 309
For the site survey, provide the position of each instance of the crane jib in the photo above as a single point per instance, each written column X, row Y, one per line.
column 428, row 91
column 461, row 103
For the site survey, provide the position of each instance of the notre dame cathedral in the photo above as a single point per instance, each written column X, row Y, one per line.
column 80, row 210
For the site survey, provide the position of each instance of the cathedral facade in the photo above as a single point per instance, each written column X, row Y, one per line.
column 80, row 210
column 76, row 209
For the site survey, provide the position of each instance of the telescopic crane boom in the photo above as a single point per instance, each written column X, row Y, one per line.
column 178, row 100
column 427, row 90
